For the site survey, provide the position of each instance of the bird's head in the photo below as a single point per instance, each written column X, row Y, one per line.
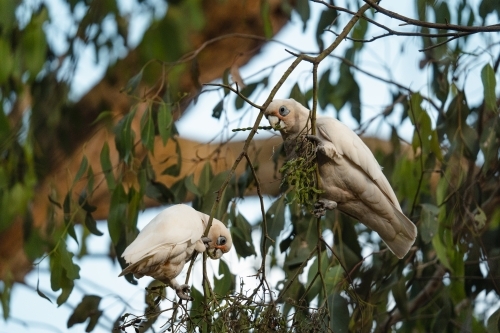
column 221, row 241
column 288, row 116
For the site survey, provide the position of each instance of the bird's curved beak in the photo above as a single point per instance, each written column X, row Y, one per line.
column 215, row 253
column 276, row 122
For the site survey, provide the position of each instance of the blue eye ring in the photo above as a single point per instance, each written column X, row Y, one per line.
column 283, row 111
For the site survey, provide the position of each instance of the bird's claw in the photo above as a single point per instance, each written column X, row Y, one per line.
column 205, row 241
column 315, row 139
column 320, row 146
column 322, row 205
column 182, row 291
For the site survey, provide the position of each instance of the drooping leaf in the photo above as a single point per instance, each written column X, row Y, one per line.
column 493, row 325
column 429, row 223
column 205, row 177
column 227, row 282
column 489, row 86
column 175, row 169
column 7, row 63
column 218, row 108
column 34, row 44
column 164, row 122
column 327, row 19
column 88, row 308
column 107, row 167
column 133, row 83
column 266, row 19
column 241, row 233
column 117, row 213
column 247, row 92
column 304, row 12
column 83, row 167
column 66, row 260
column 148, row 130
column 189, row 182
column 124, row 136
column 339, row 313
column 159, row 192
column 40, row 293
column 68, row 217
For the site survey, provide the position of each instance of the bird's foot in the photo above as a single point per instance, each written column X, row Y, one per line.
column 315, row 139
column 320, row 146
column 205, row 241
column 183, row 291
column 322, row 205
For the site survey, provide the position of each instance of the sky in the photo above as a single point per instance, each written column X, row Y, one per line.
column 99, row 274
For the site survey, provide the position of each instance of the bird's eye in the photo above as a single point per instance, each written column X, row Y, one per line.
column 221, row 240
column 283, row 110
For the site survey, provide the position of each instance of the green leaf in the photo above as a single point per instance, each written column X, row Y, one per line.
column 34, row 44
column 195, row 74
column 67, row 286
column 359, row 32
column 429, row 223
column 189, row 182
column 489, row 85
column 67, row 217
column 304, row 12
column 88, row 308
column 56, row 271
column 275, row 217
column 327, row 19
column 104, row 116
column 124, row 136
column 91, row 225
column 399, row 293
column 241, row 232
column 339, row 313
column 206, row 176
column 66, row 257
column 493, row 325
column 265, row 13
column 440, row 248
column 107, row 167
column 333, row 276
column 90, row 180
column 148, row 131
column 218, row 108
column 7, row 63
column 164, row 122
column 247, row 92
column 298, row 95
column 83, row 167
column 117, row 213
column 227, row 282
column 8, row 16
column 5, row 294
column 133, row 83
column 40, row 293
column 442, row 318
column 159, row 192
column 175, row 169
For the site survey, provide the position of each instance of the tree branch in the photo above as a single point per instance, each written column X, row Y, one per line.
column 443, row 26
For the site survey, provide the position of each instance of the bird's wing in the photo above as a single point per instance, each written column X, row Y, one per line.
column 350, row 145
column 166, row 233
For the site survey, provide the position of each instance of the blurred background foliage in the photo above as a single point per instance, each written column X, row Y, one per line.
column 69, row 157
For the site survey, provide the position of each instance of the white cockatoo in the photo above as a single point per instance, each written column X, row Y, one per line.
column 168, row 241
column 351, row 178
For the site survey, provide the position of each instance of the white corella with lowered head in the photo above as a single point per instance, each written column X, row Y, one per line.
column 168, row 241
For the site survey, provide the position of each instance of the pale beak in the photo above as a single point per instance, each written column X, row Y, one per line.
column 275, row 122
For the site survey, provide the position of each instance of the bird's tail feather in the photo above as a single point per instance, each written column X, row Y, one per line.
column 404, row 240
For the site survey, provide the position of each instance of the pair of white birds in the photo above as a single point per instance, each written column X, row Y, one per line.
column 351, row 178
